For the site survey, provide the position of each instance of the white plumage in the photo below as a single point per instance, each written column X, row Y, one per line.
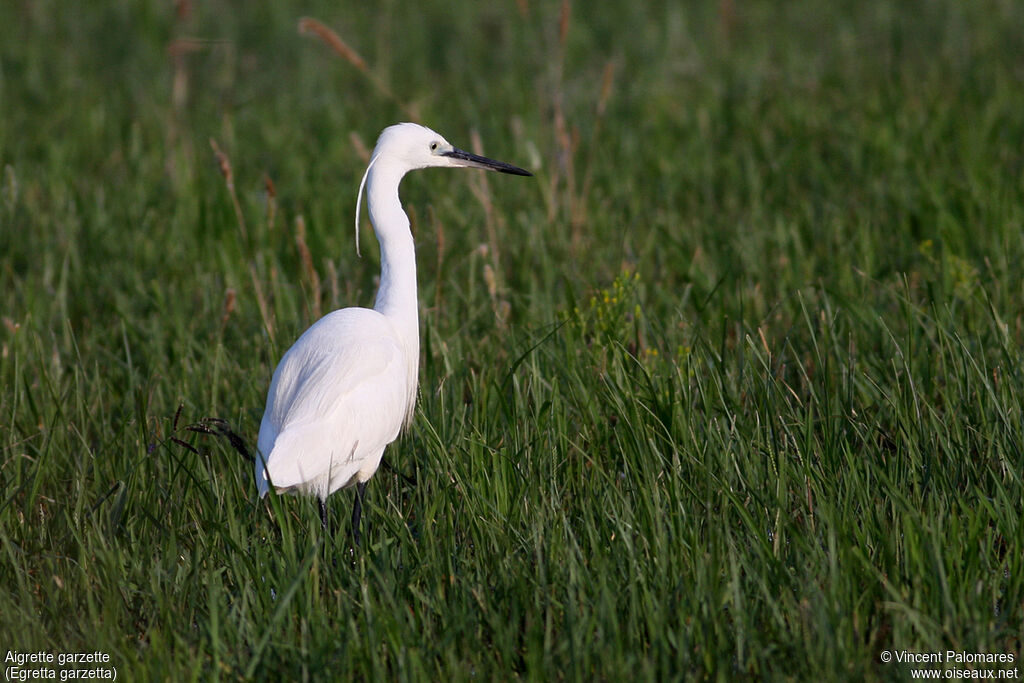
column 347, row 387
column 324, row 387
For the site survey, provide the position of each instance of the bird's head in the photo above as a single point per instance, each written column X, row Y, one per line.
column 409, row 146
column 406, row 147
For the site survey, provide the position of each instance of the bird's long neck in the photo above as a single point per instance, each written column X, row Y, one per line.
column 396, row 297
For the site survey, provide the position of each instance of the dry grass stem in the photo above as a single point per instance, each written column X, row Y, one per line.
column 361, row 150
column 229, row 180
column 332, row 283
column 308, row 271
column 311, row 26
column 308, row 25
column 179, row 87
column 229, row 306
column 607, row 81
column 481, row 189
column 563, row 22
column 261, row 302
column 271, row 189
column 607, row 87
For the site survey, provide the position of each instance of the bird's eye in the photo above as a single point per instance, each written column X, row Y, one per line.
column 433, row 146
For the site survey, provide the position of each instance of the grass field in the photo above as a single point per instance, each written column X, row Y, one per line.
column 731, row 390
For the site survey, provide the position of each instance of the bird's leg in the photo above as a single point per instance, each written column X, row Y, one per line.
column 323, row 514
column 357, row 511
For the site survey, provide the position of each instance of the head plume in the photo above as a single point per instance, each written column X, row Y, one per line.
column 359, row 198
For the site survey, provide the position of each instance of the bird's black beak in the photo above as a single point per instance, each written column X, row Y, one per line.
column 476, row 161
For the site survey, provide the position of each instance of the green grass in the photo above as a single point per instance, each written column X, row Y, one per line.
column 731, row 390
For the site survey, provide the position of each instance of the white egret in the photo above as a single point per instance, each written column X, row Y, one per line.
column 347, row 387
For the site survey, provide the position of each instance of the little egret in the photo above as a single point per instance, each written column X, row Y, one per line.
column 347, row 387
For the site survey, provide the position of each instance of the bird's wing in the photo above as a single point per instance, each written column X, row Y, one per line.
column 338, row 397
